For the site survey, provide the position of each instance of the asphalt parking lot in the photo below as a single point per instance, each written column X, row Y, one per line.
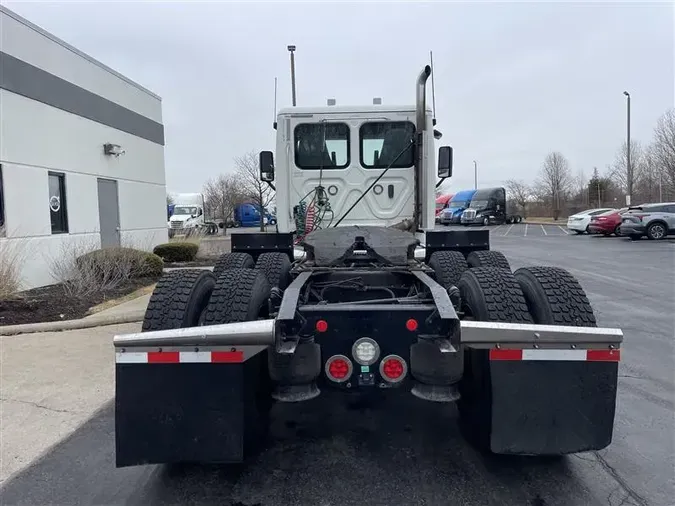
column 403, row 451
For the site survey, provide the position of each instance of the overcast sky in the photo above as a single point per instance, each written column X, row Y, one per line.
column 513, row 80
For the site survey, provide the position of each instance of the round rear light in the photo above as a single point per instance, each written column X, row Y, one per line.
column 365, row 351
column 393, row 368
column 321, row 326
column 411, row 325
column 338, row 368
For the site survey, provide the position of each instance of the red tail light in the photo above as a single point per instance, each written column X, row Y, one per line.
column 393, row 368
column 339, row 368
column 411, row 325
column 321, row 326
column 640, row 216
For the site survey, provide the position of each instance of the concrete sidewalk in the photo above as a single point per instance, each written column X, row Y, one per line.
column 52, row 382
column 135, row 306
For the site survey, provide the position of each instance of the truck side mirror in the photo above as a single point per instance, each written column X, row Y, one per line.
column 266, row 166
column 444, row 162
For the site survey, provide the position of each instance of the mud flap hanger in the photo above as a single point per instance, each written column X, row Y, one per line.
column 481, row 335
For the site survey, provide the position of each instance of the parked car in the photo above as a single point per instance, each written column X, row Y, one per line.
column 656, row 221
column 607, row 223
column 579, row 223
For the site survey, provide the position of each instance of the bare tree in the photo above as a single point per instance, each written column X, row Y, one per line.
column 257, row 191
column 619, row 170
column 222, row 194
column 519, row 192
column 555, row 180
column 663, row 153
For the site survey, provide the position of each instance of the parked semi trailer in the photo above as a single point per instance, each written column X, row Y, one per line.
column 364, row 298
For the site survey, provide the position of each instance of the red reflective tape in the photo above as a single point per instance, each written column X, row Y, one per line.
column 496, row 354
column 227, row 357
column 163, row 357
column 603, row 355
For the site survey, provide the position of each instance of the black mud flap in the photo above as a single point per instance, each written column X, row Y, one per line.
column 189, row 412
column 548, row 407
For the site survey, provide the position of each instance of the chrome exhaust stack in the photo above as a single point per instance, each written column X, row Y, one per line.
column 420, row 128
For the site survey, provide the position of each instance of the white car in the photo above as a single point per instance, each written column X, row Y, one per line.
column 579, row 222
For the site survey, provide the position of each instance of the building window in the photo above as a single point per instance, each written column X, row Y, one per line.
column 57, row 203
column 382, row 142
column 322, row 146
column 2, row 205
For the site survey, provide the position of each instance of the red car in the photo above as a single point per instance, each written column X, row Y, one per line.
column 607, row 223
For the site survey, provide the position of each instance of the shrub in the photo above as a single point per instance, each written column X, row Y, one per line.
column 83, row 272
column 12, row 257
column 119, row 263
column 177, row 251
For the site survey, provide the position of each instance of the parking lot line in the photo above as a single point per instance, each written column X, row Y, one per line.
column 525, row 234
column 498, row 227
column 507, row 232
column 566, row 232
column 543, row 229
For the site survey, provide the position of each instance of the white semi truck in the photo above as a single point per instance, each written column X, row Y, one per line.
column 188, row 216
column 377, row 301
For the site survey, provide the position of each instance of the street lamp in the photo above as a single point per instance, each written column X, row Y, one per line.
column 475, row 175
column 291, row 49
column 629, row 169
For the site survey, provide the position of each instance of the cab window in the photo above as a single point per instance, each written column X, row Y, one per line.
column 321, row 146
column 382, row 142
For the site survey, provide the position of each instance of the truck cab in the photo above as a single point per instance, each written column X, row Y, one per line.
column 488, row 206
column 459, row 202
column 442, row 203
column 328, row 157
column 188, row 217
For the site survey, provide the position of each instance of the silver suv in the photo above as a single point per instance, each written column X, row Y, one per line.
column 655, row 221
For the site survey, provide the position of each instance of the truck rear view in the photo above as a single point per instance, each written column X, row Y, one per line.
column 438, row 315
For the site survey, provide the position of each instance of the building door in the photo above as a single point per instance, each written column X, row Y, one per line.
column 108, row 213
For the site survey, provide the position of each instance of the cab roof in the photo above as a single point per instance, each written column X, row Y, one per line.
column 342, row 109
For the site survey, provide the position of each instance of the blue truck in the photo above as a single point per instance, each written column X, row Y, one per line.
column 248, row 215
column 452, row 214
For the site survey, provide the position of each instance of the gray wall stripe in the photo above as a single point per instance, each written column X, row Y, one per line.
column 24, row 79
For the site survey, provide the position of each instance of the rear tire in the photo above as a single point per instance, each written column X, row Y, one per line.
column 555, row 297
column 242, row 295
column 448, row 266
column 276, row 267
column 617, row 231
column 179, row 300
column 657, row 231
column 233, row 261
column 488, row 259
column 239, row 295
column 491, row 295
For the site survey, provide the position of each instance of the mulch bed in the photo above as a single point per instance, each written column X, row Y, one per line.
column 51, row 303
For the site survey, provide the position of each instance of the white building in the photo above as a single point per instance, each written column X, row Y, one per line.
column 64, row 120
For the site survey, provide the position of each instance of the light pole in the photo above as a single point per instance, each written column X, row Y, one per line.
column 629, row 169
column 291, row 50
column 475, row 175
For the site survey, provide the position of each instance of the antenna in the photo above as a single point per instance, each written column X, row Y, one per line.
column 275, row 104
column 433, row 88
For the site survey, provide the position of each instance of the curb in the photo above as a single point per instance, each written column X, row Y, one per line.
column 83, row 323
